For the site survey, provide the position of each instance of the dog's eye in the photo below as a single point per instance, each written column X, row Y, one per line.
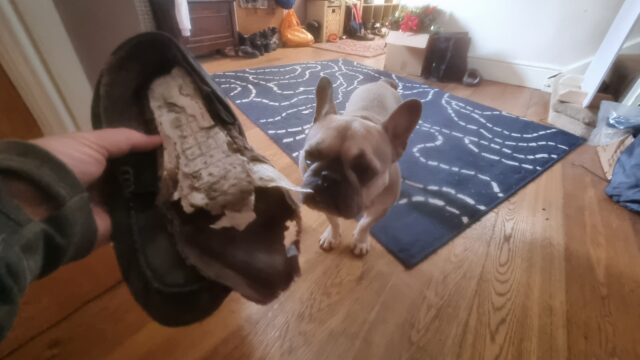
column 362, row 169
column 310, row 158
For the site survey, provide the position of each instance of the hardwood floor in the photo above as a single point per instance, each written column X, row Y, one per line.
column 552, row 273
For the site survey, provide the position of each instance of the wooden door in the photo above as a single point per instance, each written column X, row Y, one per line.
column 16, row 120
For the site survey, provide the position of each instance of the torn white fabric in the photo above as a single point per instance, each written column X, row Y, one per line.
column 201, row 167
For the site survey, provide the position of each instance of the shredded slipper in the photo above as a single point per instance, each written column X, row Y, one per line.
column 205, row 214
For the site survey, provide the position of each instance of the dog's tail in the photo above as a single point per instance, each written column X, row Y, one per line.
column 391, row 83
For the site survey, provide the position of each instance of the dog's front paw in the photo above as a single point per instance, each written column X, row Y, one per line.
column 361, row 244
column 329, row 240
column 360, row 248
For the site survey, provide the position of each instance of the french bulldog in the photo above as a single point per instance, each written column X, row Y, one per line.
column 350, row 160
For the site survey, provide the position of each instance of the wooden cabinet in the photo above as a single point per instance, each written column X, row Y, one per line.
column 213, row 24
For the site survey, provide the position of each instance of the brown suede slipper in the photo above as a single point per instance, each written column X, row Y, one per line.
column 204, row 215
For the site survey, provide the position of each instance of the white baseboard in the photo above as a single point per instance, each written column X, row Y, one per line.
column 534, row 75
column 580, row 67
column 515, row 73
column 632, row 96
column 631, row 47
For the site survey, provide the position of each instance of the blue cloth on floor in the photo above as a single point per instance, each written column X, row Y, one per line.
column 624, row 187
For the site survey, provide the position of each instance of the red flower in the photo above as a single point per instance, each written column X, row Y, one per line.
column 409, row 23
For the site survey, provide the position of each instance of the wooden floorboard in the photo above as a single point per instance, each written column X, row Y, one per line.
column 602, row 275
column 552, row 273
column 52, row 299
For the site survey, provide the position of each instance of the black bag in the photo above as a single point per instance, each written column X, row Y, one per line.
column 313, row 27
column 446, row 57
column 351, row 26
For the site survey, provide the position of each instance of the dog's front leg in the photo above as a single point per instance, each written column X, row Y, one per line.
column 375, row 212
column 361, row 245
column 332, row 235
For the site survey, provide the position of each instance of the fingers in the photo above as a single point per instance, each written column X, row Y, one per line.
column 103, row 223
column 115, row 143
column 119, row 142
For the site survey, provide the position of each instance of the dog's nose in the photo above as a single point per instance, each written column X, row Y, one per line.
column 327, row 179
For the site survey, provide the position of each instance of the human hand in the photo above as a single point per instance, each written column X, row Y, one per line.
column 86, row 154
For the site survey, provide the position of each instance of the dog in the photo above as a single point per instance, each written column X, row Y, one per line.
column 350, row 160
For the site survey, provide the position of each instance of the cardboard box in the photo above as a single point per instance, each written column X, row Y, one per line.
column 405, row 52
column 566, row 111
column 609, row 154
column 563, row 84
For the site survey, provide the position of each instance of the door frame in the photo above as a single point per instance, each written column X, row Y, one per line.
column 604, row 58
column 39, row 58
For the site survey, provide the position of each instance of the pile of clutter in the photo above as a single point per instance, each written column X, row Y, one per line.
column 258, row 43
column 377, row 28
column 366, row 32
column 354, row 28
column 617, row 140
column 611, row 123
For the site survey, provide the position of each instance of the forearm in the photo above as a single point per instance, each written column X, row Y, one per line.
column 45, row 221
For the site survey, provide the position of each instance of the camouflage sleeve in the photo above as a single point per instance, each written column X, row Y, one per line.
column 45, row 221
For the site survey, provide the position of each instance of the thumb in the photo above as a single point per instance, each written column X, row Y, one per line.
column 103, row 223
column 121, row 141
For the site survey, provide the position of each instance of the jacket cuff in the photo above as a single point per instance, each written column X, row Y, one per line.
column 53, row 178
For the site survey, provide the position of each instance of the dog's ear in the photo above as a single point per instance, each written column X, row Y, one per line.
column 401, row 123
column 324, row 99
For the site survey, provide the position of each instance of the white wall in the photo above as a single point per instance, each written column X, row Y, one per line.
column 96, row 27
column 523, row 40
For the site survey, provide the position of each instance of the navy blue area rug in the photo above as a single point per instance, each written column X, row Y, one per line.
column 462, row 161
